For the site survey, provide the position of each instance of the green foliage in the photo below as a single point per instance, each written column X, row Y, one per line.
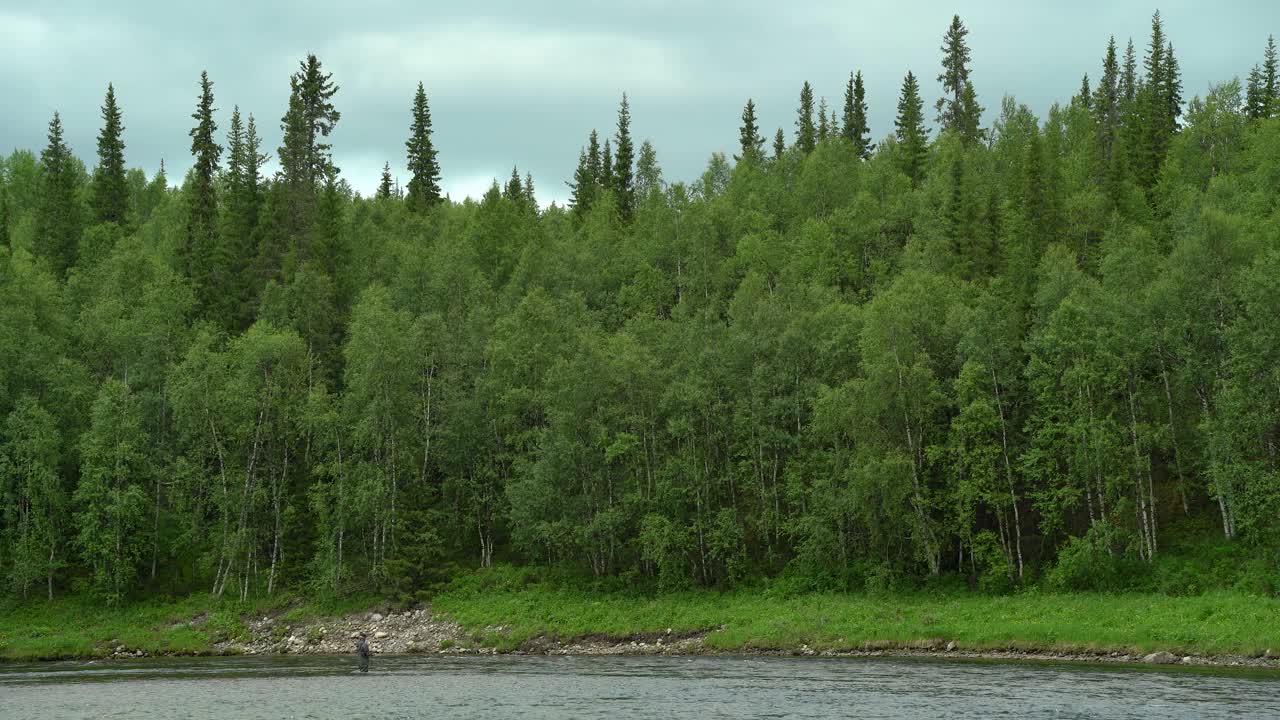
column 59, row 213
column 927, row 364
column 424, row 168
column 806, row 131
column 910, row 132
column 110, row 189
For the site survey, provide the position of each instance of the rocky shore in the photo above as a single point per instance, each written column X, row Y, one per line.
column 419, row 631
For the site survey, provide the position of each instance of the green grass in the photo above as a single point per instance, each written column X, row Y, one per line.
column 525, row 607
column 1211, row 624
column 80, row 627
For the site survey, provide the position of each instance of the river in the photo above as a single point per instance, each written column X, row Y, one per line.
column 622, row 688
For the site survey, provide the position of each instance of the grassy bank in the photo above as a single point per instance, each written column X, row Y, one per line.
column 85, row 628
column 1212, row 624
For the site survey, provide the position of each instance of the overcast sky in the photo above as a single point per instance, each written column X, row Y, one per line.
column 519, row 83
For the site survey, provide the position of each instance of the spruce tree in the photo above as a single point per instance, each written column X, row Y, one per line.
column 528, row 190
column 110, row 189
column 200, row 251
column 1158, row 106
column 58, row 211
column 424, row 168
column 779, row 144
column 1085, row 96
column 958, row 109
column 594, row 162
column 912, row 136
column 1106, row 104
column 582, row 187
column 806, row 132
column 1172, row 90
column 306, row 162
column 1269, row 69
column 750, row 142
column 513, row 190
column 824, row 125
column 1129, row 80
column 623, row 159
column 606, row 167
column 855, row 128
column 385, row 184
column 1255, row 95
column 242, row 206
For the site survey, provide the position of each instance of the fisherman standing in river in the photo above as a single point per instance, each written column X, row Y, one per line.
column 363, row 653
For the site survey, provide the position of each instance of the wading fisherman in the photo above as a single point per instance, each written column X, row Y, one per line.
column 363, row 653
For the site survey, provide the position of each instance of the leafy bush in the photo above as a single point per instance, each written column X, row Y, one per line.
column 1096, row 561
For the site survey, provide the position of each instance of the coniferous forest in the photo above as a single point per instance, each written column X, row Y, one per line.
column 1027, row 352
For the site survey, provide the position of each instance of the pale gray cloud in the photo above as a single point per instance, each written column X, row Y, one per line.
column 523, row 83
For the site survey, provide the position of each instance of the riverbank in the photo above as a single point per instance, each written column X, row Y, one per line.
column 1212, row 630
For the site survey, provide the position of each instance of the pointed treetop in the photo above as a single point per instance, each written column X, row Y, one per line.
column 385, row 185
column 855, row 128
column 424, row 167
column 912, row 136
column 806, row 131
column 750, row 142
column 110, row 189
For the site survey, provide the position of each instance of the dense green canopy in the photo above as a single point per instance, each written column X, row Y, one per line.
column 1018, row 354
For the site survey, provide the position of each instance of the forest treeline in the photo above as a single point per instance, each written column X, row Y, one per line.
column 1017, row 352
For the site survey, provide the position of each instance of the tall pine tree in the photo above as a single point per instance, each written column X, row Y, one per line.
column 384, row 185
column 58, row 215
column 306, row 162
column 110, row 189
column 958, row 109
column 424, row 167
column 1129, row 80
column 779, row 144
column 606, row 166
column 582, row 187
column 623, row 159
column 1255, row 95
column 1106, row 105
column 855, row 128
column 750, row 142
column 241, row 209
column 1269, row 86
column 595, row 162
column 1158, row 106
column 806, row 132
column 201, row 244
column 513, row 190
column 528, row 190
column 912, row 136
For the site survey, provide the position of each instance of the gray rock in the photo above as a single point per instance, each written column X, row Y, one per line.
column 951, row 646
column 1160, row 658
column 380, row 635
column 376, row 617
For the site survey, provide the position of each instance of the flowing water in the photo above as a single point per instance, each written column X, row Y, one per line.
column 619, row 688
